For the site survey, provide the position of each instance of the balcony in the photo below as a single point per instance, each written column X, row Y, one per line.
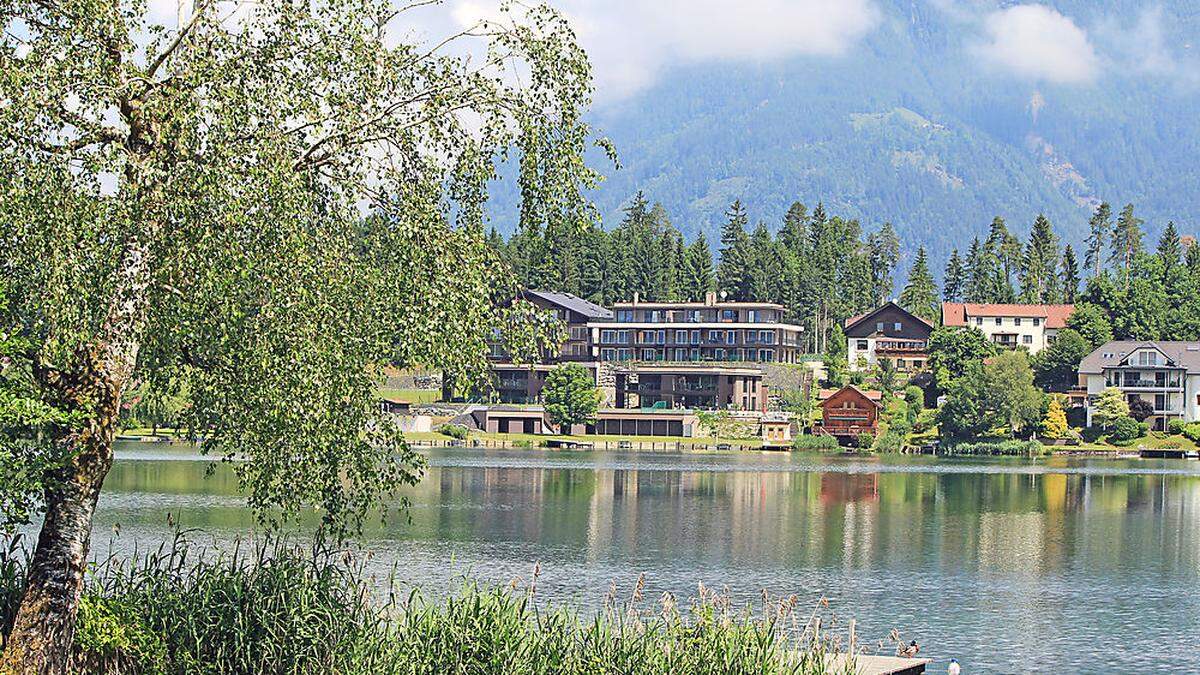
column 900, row 347
column 1160, row 385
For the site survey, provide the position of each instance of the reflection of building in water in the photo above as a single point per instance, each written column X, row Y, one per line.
column 614, row 504
column 843, row 488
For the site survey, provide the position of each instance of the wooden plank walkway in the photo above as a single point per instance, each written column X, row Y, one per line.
column 879, row 665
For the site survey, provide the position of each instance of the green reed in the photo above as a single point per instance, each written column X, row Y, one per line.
column 279, row 608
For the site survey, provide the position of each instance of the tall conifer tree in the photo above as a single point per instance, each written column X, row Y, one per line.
column 1070, row 276
column 697, row 274
column 920, row 294
column 955, row 278
column 733, row 272
column 1100, row 229
column 1126, row 241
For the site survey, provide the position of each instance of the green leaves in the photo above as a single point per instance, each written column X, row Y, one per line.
column 303, row 192
column 570, row 396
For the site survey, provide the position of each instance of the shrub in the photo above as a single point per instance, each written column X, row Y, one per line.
column 925, row 421
column 814, row 442
column 1011, row 448
column 865, row 440
column 1175, row 427
column 1125, row 430
column 890, row 442
column 1140, row 409
column 1191, row 432
column 455, row 431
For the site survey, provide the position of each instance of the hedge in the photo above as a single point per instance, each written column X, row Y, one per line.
column 1013, row 448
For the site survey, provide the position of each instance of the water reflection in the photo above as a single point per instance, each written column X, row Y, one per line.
column 1007, row 565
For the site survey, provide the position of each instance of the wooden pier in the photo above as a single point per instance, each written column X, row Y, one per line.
column 878, row 665
column 1168, row 453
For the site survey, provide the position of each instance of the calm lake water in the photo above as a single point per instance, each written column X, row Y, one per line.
column 1055, row 565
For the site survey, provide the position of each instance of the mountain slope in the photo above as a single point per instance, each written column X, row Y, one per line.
column 909, row 128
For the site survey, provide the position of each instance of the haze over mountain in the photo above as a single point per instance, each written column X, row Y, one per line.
column 935, row 115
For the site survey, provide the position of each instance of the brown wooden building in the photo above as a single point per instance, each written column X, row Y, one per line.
column 849, row 411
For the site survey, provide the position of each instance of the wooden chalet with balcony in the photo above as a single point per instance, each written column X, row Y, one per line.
column 849, row 411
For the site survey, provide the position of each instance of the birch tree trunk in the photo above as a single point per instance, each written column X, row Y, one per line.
column 41, row 639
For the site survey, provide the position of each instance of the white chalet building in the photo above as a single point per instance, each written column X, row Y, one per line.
column 1164, row 374
column 1030, row 326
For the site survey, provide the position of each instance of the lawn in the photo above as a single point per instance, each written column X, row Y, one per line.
column 1154, row 440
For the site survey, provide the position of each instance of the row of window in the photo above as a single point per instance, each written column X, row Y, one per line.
column 696, row 315
column 1012, row 339
column 1016, row 320
column 685, row 354
column 686, row 337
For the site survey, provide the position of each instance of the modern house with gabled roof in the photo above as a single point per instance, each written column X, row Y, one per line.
column 1033, row 327
column 888, row 331
column 1164, row 374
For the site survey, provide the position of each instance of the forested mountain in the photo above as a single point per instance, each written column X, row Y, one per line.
column 909, row 127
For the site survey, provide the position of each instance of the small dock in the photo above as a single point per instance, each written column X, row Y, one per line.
column 1168, row 453
column 879, row 665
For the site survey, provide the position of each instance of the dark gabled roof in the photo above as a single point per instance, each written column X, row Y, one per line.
column 872, row 395
column 1113, row 354
column 861, row 318
column 573, row 303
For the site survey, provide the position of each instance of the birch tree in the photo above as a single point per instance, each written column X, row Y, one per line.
column 267, row 202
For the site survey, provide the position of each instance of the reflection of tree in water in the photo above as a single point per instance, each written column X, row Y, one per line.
column 843, row 488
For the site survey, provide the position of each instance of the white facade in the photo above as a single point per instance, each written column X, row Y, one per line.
column 906, row 354
column 1147, row 373
column 1029, row 332
column 1032, row 327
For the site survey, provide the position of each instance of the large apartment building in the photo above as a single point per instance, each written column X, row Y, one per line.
column 691, row 332
column 1164, row 374
column 1033, row 327
column 523, row 383
column 661, row 354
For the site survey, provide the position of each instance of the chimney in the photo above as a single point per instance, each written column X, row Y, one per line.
column 710, row 298
column 636, row 297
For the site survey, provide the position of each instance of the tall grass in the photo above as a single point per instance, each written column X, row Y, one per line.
column 278, row 608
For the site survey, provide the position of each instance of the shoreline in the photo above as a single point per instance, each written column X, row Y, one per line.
column 678, row 445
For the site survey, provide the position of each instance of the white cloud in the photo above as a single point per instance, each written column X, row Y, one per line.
column 1145, row 49
column 1039, row 43
column 631, row 42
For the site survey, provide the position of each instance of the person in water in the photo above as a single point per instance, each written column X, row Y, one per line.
column 911, row 650
column 954, row 668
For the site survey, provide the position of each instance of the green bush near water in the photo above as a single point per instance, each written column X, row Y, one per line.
column 815, row 442
column 455, row 431
column 283, row 610
column 1126, row 430
column 1010, row 448
column 1190, row 431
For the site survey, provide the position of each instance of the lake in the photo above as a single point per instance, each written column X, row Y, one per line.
column 1049, row 565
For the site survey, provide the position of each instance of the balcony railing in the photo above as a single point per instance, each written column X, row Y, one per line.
column 900, row 347
column 1151, row 384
